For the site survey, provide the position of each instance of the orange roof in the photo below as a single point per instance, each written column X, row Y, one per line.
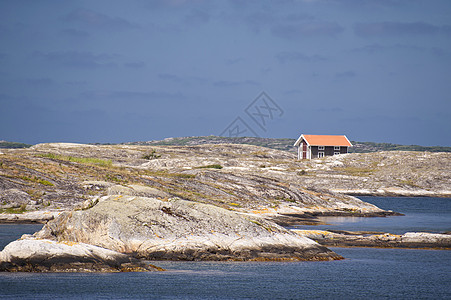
column 325, row 140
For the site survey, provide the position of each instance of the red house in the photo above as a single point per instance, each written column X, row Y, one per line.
column 317, row 146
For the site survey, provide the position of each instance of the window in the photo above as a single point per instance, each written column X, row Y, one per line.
column 336, row 153
column 336, row 148
column 320, row 154
column 320, row 147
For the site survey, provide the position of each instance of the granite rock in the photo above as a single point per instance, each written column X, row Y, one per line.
column 42, row 255
column 180, row 230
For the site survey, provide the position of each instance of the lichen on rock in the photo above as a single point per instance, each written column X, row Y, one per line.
column 180, row 230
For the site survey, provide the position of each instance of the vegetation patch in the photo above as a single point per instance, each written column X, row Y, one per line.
column 115, row 178
column 12, row 145
column 16, row 210
column 37, row 180
column 82, row 160
column 261, row 225
column 408, row 182
column 214, row 166
column 152, row 155
column 169, row 175
column 357, row 171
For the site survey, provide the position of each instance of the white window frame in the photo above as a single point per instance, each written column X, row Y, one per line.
column 320, row 147
column 337, row 153
column 337, row 148
column 320, row 154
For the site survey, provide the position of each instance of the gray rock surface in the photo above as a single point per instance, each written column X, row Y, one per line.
column 381, row 239
column 252, row 179
column 41, row 255
column 180, row 230
column 137, row 190
column 29, row 217
column 14, row 198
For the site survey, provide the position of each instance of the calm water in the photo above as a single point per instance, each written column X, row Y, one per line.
column 421, row 214
column 365, row 274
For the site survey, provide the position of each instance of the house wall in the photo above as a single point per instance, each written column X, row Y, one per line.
column 328, row 151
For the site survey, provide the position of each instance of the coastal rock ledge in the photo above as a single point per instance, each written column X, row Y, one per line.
column 176, row 229
column 35, row 255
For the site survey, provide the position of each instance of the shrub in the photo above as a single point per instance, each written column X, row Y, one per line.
column 151, row 155
column 302, row 172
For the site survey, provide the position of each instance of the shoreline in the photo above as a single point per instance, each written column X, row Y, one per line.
column 283, row 219
column 366, row 239
column 392, row 192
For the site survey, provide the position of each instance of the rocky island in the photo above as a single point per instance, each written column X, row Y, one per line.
column 106, row 207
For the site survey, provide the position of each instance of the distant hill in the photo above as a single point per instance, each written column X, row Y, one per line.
column 278, row 144
column 365, row 147
column 5, row 144
column 284, row 144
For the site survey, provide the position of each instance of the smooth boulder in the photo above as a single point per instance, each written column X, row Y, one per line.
column 180, row 230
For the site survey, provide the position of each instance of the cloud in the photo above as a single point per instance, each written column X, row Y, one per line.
column 131, row 95
column 77, row 59
column 227, row 83
column 37, row 81
column 346, row 74
column 330, row 109
column 309, row 29
column 75, row 33
column 233, row 61
column 197, row 17
column 259, row 20
column 98, row 20
column 297, row 56
column 293, row 92
column 377, row 48
column 396, row 29
column 370, row 49
column 135, row 65
column 170, row 77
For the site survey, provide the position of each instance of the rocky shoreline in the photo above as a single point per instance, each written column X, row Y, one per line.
column 34, row 217
column 119, row 232
column 106, row 208
column 410, row 240
column 42, row 255
column 394, row 192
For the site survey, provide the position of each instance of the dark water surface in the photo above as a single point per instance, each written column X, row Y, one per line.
column 12, row 232
column 421, row 214
column 365, row 273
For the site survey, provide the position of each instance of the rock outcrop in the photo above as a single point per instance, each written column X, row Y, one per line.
column 13, row 198
column 381, row 239
column 40, row 216
column 180, row 230
column 241, row 177
column 35, row 255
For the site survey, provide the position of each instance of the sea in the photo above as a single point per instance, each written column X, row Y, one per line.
column 365, row 273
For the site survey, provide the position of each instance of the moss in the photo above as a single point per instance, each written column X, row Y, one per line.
column 213, row 166
column 20, row 210
column 82, row 160
column 261, row 225
column 408, row 182
column 37, row 180
column 357, row 171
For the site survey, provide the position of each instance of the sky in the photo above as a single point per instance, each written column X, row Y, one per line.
column 110, row 71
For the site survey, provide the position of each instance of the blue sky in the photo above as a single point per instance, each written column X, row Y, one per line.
column 119, row 71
